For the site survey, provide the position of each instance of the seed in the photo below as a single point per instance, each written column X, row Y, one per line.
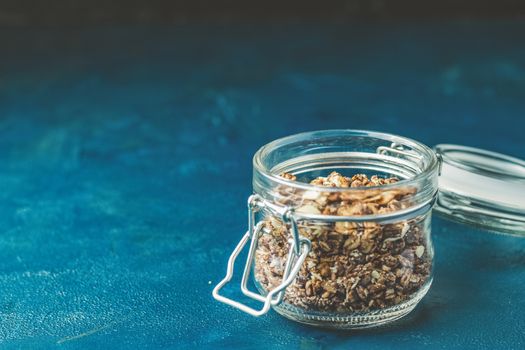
column 352, row 243
column 390, row 293
column 420, row 250
column 324, row 246
column 308, row 209
column 367, row 246
column 325, row 271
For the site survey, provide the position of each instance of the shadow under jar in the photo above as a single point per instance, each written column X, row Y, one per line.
column 339, row 228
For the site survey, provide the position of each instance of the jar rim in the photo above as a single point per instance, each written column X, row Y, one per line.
column 424, row 150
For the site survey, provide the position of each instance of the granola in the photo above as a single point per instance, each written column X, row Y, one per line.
column 351, row 266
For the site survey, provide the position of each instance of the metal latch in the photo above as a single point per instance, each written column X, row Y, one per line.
column 299, row 249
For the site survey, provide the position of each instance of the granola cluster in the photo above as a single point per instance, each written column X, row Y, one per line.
column 352, row 266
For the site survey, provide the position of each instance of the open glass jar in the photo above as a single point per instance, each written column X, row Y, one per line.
column 339, row 223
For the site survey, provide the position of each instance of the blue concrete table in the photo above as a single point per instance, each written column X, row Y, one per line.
column 126, row 162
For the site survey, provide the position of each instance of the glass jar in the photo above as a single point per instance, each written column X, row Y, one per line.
column 346, row 255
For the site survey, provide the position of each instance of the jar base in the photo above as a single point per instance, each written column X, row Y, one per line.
column 357, row 320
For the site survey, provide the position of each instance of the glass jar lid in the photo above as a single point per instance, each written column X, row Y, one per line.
column 482, row 188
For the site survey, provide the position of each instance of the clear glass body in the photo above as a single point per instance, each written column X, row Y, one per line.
column 371, row 251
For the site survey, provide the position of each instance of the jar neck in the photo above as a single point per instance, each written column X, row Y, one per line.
column 350, row 152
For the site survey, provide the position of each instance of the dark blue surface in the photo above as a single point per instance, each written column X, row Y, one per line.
column 126, row 163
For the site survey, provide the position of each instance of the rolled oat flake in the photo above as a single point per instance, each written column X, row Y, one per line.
column 339, row 222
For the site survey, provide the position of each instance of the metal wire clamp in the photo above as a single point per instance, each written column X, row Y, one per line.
column 299, row 249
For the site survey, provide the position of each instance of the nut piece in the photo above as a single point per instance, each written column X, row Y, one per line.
column 288, row 176
column 420, row 250
column 337, row 180
column 311, row 195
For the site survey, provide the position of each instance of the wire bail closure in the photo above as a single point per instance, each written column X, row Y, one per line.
column 299, row 249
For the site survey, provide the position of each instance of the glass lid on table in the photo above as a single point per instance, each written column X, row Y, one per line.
column 482, row 188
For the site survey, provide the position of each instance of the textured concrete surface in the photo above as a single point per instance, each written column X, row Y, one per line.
column 125, row 159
